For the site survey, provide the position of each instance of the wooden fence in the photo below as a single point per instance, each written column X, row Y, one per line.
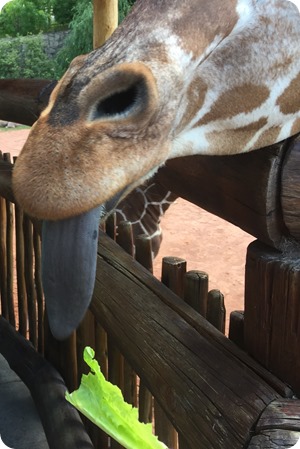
column 22, row 305
column 214, row 394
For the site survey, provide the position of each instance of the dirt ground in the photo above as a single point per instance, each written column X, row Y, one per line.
column 204, row 240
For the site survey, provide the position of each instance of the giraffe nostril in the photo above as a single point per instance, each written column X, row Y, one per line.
column 119, row 103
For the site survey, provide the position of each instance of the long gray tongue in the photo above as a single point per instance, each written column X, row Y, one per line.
column 69, row 257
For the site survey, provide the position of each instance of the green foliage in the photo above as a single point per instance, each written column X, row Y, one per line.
column 22, row 17
column 63, row 11
column 124, row 8
column 24, row 57
column 80, row 39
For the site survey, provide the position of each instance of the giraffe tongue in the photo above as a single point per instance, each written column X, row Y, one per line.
column 69, row 255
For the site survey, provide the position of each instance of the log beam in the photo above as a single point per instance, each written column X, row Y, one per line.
column 182, row 359
column 23, row 100
column 290, row 190
column 243, row 189
column 278, row 426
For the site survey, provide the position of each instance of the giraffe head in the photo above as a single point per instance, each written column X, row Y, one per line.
column 175, row 79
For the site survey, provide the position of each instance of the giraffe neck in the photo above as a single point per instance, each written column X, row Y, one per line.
column 251, row 102
column 144, row 208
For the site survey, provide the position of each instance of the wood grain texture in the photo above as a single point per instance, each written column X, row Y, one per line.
column 242, row 189
column 182, row 359
column 290, row 188
column 236, row 328
column 279, row 426
column 281, row 414
column 23, row 100
column 272, row 291
column 274, row 439
column 5, row 180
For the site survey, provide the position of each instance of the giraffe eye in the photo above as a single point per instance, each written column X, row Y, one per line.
column 119, row 104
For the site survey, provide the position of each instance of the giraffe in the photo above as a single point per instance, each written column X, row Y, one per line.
column 175, row 79
column 143, row 208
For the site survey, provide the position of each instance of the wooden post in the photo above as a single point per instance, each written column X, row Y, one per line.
column 105, row 20
column 272, row 331
column 216, row 313
column 196, row 290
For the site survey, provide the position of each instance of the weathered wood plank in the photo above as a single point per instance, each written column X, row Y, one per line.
column 243, row 189
column 274, row 439
column 183, row 360
column 216, row 312
column 3, row 259
column 196, row 290
column 279, row 426
column 5, row 180
column 173, row 271
column 23, row 100
column 10, row 255
column 280, row 414
column 290, row 188
column 29, row 280
column 20, row 268
column 236, row 328
column 272, row 291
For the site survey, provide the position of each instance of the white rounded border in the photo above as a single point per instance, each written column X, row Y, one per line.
column 297, row 4
column 2, row 445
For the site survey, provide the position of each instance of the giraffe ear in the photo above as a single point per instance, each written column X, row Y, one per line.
column 124, row 93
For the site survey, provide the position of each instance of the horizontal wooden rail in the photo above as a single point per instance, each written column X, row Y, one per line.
column 242, row 189
column 182, row 359
column 23, row 100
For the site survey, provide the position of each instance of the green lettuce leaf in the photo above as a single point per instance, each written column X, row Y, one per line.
column 103, row 403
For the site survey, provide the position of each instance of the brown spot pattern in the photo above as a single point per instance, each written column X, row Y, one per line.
column 244, row 98
column 217, row 18
column 296, row 127
column 268, row 137
column 195, row 97
column 235, row 139
column 289, row 101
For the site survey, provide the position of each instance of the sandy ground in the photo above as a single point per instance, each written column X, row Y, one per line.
column 204, row 240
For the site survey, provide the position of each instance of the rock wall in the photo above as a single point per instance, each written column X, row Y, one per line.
column 53, row 42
